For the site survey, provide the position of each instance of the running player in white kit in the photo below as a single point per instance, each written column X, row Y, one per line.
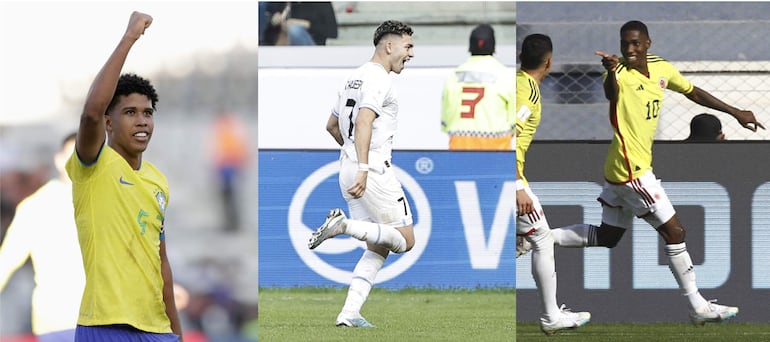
column 363, row 122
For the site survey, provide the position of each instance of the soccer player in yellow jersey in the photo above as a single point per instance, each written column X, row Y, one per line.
column 477, row 107
column 634, row 85
column 120, row 202
column 531, row 224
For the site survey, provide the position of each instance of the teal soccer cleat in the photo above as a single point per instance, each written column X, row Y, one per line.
column 333, row 226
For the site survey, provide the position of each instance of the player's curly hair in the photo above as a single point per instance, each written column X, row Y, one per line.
column 534, row 51
column 391, row 27
column 131, row 83
column 635, row 25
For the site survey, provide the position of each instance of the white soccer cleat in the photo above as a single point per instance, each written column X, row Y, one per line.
column 568, row 320
column 713, row 313
column 522, row 246
column 353, row 322
column 333, row 226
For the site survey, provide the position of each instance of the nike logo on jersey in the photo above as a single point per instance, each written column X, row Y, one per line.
column 124, row 182
column 640, row 88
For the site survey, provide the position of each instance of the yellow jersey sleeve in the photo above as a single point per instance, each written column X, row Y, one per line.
column 528, row 115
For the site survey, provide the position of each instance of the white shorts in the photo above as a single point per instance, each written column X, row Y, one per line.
column 534, row 222
column 642, row 197
column 383, row 201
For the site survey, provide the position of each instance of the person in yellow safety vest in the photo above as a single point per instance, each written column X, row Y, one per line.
column 478, row 102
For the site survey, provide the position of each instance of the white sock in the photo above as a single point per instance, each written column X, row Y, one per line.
column 362, row 282
column 680, row 264
column 576, row 235
column 544, row 272
column 378, row 234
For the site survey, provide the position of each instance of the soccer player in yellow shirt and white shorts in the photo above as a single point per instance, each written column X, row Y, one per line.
column 634, row 85
column 531, row 224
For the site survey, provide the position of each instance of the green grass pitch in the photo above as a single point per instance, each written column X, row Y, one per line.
column 308, row 314
column 676, row 332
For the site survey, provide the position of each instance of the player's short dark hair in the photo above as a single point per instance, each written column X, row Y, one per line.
column 635, row 25
column 534, row 50
column 705, row 127
column 391, row 27
column 132, row 84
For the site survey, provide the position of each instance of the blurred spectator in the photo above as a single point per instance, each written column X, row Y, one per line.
column 43, row 229
column 705, row 127
column 296, row 23
column 213, row 307
column 478, row 102
column 230, row 154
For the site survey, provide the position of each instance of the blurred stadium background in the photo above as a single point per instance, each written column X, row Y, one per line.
column 201, row 58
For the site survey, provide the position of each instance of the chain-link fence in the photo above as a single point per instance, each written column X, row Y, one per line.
column 727, row 58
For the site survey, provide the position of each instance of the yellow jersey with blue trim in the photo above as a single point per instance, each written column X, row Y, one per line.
column 634, row 117
column 528, row 114
column 119, row 214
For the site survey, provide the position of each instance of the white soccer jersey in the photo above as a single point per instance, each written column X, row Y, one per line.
column 369, row 86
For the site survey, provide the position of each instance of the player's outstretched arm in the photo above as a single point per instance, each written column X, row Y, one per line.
column 745, row 117
column 609, row 62
column 91, row 134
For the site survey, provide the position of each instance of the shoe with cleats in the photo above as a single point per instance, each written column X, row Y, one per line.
column 568, row 320
column 332, row 227
column 522, row 246
column 713, row 312
column 353, row 322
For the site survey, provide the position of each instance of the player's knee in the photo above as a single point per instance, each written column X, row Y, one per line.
column 405, row 240
column 609, row 236
column 609, row 243
column 672, row 233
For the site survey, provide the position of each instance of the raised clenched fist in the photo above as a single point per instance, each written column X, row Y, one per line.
column 137, row 24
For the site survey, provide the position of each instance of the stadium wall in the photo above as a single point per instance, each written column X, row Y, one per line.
column 721, row 192
column 299, row 85
column 463, row 212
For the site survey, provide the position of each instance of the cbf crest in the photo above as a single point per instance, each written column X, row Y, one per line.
column 160, row 196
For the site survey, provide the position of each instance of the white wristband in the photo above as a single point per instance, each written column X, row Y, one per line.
column 363, row 167
column 519, row 184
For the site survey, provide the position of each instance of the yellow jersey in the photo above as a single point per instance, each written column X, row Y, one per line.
column 477, row 108
column 528, row 114
column 119, row 214
column 634, row 117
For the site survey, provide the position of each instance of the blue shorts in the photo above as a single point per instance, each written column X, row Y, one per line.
column 57, row 336
column 119, row 333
